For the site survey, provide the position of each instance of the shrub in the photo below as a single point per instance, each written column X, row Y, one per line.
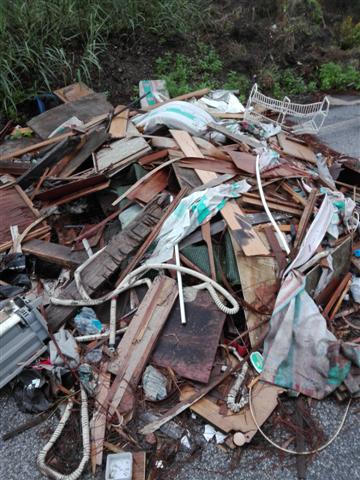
column 334, row 76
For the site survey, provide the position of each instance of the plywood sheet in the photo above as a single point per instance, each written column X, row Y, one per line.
column 73, row 92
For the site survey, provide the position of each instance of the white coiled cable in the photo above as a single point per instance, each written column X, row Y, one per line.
column 45, row 469
column 131, row 281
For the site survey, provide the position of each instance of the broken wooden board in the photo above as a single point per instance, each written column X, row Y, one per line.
column 85, row 108
column 236, row 137
column 73, row 92
column 231, row 212
column 150, row 187
column 264, row 402
column 138, row 342
column 244, row 161
column 119, row 123
column 190, row 349
column 258, row 278
column 16, row 209
column 295, row 149
column 92, row 141
column 48, row 159
column 54, row 253
column 120, row 154
column 72, row 190
column 113, row 258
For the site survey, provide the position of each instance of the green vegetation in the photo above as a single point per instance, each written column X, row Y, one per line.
column 349, row 33
column 334, row 76
column 47, row 43
column 203, row 68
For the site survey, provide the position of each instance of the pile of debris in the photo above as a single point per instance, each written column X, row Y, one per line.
column 192, row 254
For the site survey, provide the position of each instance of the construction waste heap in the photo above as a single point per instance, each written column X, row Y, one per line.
column 172, row 263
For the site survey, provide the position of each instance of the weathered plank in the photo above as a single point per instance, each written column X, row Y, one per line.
column 85, row 108
column 54, row 253
column 136, row 345
column 113, row 258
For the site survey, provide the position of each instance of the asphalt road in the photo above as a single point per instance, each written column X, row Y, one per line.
column 340, row 461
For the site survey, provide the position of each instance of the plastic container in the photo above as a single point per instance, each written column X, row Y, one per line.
column 119, row 466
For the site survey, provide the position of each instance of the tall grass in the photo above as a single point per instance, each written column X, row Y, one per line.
column 47, row 43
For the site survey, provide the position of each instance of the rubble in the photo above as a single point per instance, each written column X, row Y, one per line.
column 192, row 254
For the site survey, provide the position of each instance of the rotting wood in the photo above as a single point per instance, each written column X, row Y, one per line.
column 54, row 253
column 146, row 244
column 190, row 349
column 113, row 258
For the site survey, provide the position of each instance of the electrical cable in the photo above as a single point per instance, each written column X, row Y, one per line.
column 48, row 471
column 294, row 452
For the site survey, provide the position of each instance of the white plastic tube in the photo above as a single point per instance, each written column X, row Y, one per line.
column 267, row 210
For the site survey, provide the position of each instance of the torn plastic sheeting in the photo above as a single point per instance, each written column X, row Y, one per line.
column 178, row 115
column 222, row 101
column 315, row 234
column 192, row 211
column 68, row 346
column 156, row 91
column 300, row 353
column 355, row 289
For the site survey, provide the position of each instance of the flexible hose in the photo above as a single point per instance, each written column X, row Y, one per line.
column 267, row 210
column 208, row 283
column 45, row 469
column 294, row 452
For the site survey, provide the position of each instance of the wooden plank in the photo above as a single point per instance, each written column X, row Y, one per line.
column 73, row 92
column 121, row 152
column 295, row 196
column 138, row 342
column 14, row 168
column 118, row 126
column 70, row 187
column 190, row 349
column 231, row 212
column 150, row 188
column 113, row 258
column 153, row 157
column 93, row 140
column 297, row 150
column 54, row 253
column 139, row 465
column 85, row 108
column 98, row 421
column 49, row 159
column 33, row 148
column 252, row 199
column 209, row 165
